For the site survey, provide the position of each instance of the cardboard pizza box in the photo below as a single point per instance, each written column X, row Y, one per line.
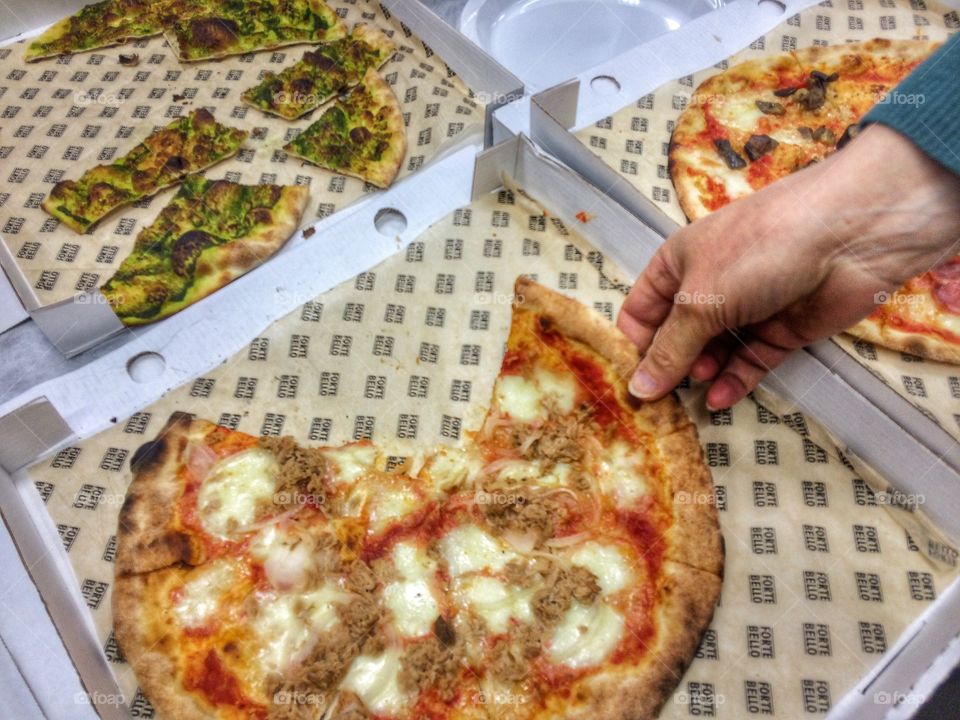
column 74, row 407
column 79, row 318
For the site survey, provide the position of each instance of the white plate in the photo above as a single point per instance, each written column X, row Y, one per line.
column 547, row 41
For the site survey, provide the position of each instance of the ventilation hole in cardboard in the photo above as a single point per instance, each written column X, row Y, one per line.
column 772, row 7
column 605, row 85
column 390, row 221
column 146, row 367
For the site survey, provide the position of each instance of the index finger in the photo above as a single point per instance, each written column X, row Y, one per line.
column 649, row 302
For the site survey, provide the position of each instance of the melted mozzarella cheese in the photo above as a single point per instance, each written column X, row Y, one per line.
column 469, row 549
column 234, row 488
column 287, row 557
column 392, row 502
column 519, row 398
column 321, row 606
column 374, row 680
column 200, row 595
column 621, row 473
column 525, row 400
column 352, row 461
column 561, row 389
column 495, row 602
column 281, row 630
column 586, row 635
column 411, row 599
column 452, row 467
column 607, row 563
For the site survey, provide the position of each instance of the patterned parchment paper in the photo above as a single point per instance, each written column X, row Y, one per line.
column 634, row 142
column 820, row 577
column 60, row 117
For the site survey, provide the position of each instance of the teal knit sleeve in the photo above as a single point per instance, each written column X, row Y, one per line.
column 925, row 107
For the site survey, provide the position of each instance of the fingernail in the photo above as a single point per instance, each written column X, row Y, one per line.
column 642, row 384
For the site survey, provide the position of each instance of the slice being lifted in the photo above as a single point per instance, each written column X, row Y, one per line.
column 233, row 27
column 562, row 563
column 321, row 74
column 102, row 24
column 362, row 134
column 763, row 119
column 212, row 232
column 187, row 145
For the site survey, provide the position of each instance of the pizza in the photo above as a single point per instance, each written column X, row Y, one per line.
column 921, row 318
column 210, row 30
column 321, row 74
column 102, row 24
column 212, row 232
column 763, row 119
column 187, row 145
column 562, row 562
column 362, row 134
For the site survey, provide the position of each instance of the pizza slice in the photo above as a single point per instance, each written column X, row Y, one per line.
column 231, row 28
column 211, row 233
column 361, row 135
column 163, row 158
column 323, row 72
column 763, row 119
column 99, row 25
column 921, row 318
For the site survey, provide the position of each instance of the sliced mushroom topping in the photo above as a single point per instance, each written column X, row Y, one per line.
column 805, row 132
column 729, row 155
column 825, row 135
column 823, row 77
column 770, row 108
column 849, row 134
column 785, row 91
column 813, row 96
column 758, row 146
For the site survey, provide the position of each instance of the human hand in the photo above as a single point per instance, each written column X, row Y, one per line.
column 727, row 298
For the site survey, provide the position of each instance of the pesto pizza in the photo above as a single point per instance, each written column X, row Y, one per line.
column 563, row 562
column 163, row 158
column 321, row 74
column 102, row 24
column 212, row 232
column 209, row 30
column 362, row 134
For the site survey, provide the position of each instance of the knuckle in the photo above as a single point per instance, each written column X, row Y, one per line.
column 663, row 355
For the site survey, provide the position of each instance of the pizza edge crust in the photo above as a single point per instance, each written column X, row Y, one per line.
column 155, row 670
column 383, row 172
column 638, row 692
column 220, row 265
column 925, row 346
column 145, row 539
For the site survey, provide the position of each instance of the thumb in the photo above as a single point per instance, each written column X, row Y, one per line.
column 675, row 347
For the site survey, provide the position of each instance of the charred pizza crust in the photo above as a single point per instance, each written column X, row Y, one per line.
column 809, row 98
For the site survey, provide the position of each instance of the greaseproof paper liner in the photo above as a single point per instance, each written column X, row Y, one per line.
column 820, row 580
column 60, row 117
column 634, row 141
